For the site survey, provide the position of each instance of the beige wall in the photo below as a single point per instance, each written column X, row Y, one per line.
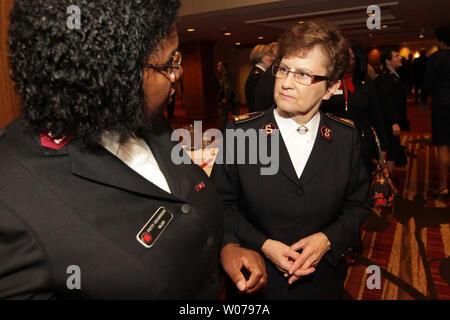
column 9, row 99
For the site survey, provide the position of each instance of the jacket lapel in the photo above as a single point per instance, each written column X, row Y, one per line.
column 321, row 152
column 161, row 146
column 101, row 166
column 285, row 161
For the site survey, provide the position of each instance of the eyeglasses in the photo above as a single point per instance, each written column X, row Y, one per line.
column 169, row 69
column 281, row 72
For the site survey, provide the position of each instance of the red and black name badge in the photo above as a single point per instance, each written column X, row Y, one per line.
column 326, row 133
column 269, row 128
column 154, row 227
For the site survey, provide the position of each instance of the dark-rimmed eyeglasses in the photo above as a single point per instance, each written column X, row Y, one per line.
column 169, row 69
column 281, row 72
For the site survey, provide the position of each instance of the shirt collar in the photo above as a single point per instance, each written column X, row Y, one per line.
column 260, row 67
column 393, row 71
column 288, row 126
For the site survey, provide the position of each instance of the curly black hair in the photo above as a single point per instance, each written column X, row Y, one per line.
column 80, row 83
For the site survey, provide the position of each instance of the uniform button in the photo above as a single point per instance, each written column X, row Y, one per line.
column 210, row 241
column 300, row 191
column 297, row 220
column 186, row 208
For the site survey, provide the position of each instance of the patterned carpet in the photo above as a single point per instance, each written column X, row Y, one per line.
column 412, row 248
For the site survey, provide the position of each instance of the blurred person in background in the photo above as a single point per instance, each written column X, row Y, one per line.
column 357, row 100
column 437, row 82
column 262, row 58
column 264, row 89
column 227, row 97
column 392, row 94
column 418, row 67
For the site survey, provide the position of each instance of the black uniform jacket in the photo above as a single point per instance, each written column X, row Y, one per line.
column 264, row 91
column 67, row 207
column 329, row 197
column 392, row 93
column 250, row 87
column 363, row 107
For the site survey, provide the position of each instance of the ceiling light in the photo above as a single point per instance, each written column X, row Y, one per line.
column 260, row 37
column 238, row 43
column 190, row 30
column 300, row 22
column 421, row 36
column 227, row 34
column 384, row 26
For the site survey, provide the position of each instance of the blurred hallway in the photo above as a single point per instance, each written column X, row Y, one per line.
column 412, row 249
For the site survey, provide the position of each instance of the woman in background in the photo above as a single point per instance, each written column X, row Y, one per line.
column 357, row 100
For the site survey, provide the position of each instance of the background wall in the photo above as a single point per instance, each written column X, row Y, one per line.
column 9, row 100
column 238, row 59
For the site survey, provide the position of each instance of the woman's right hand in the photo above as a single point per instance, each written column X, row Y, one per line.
column 280, row 254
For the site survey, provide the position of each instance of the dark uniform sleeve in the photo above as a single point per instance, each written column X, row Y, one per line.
column 24, row 269
column 264, row 91
column 226, row 178
column 250, row 88
column 376, row 116
column 390, row 111
column 431, row 71
column 345, row 231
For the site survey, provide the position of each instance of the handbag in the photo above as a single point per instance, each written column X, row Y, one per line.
column 381, row 187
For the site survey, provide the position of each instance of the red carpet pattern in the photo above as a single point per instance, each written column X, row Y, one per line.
column 412, row 249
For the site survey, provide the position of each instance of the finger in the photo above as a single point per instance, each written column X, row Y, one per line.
column 262, row 282
column 236, row 276
column 298, row 245
column 301, row 273
column 299, row 262
column 304, row 272
column 293, row 278
column 284, row 265
column 257, row 269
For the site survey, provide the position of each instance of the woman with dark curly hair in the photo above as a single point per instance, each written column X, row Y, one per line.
column 91, row 205
column 304, row 217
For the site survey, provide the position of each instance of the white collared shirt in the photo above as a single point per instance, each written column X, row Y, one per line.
column 260, row 67
column 136, row 154
column 393, row 71
column 299, row 146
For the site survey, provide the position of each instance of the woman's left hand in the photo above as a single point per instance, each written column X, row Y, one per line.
column 313, row 248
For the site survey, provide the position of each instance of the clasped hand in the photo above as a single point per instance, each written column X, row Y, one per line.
column 292, row 263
